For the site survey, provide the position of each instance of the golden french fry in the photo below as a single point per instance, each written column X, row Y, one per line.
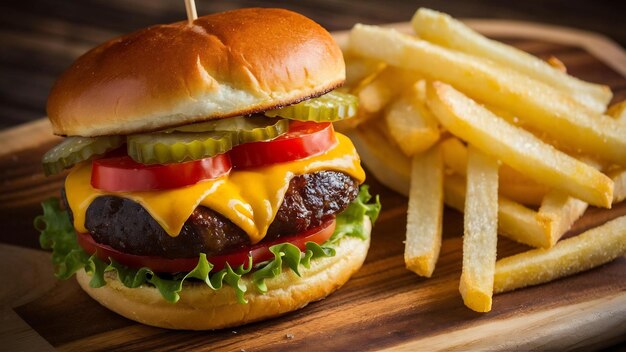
column 512, row 184
column 384, row 160
column 454, row 192
column 446, row 31
column 619, row 180
column 557, row 64
column 520, row 224
column 515, row 221
column 618, row 111
column 538, row 104
column 595, row 247
column 377, row 93
column 425, row 212
column 517, row 147
column 558, row 212
column 360, row 68
column 410, row 123
column 480, row 234
column 528, row 193
column 507, row 115
column 454, row 155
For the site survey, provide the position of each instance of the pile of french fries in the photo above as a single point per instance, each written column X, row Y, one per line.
column 448, row 116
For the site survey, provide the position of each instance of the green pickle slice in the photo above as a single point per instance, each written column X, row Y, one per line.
column 176, row 147
column 73, row 150
column 330, row 107
column 248, row 129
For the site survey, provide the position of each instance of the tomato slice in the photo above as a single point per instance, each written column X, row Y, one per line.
column 123, row 174
column 260, row 252
column 303, row 139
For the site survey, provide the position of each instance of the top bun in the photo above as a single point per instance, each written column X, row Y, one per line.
column 226, row 64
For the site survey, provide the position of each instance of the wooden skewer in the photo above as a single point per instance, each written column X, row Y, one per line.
column 190, row 6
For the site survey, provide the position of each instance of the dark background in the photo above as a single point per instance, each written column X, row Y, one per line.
column 40, row 38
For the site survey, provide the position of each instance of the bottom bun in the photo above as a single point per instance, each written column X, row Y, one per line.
column 201, row 308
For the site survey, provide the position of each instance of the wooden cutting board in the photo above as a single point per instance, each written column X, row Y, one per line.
column 383, row 306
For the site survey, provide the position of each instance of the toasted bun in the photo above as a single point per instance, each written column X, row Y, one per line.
column 201, row 308
column 226, row 64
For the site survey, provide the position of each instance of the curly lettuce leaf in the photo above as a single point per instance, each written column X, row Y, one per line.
column 350, row 222
column 57, row 234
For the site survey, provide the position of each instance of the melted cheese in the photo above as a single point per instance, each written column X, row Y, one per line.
column 248, row 198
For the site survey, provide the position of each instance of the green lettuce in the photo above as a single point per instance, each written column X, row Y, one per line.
column 350, row 222
column 57, row 234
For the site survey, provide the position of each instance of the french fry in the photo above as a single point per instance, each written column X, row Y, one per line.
column 595, row 247
column 512, row 184
column 454, row 155
column 385, row 161
column 619, row 180
column 507, row 115
column 360, row 68
column 531, row 128
column 618, row 111
column 446, row 31
column 557, row 64
column 517, row 147
column 520, row 224
column 410, row 123
column 425, row 213
column 515, row 221
column 529, row 193
column 558, row 212
column 377, row 93
column 480, row 234
column 540, row 105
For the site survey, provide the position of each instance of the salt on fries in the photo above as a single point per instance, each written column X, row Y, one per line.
column 480, row 231
column 542, row 146
column 444, row 30
column 515, row 221
column 595, row 247
column 558, row 212
column 517, row 147
column 512, row 184
column 619, row 182
column 538, row 104
column 425, row 213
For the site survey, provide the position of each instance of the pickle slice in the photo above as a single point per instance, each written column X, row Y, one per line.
column 330, row 107
column 249, row 129
column 73, row 150
column 176, row 147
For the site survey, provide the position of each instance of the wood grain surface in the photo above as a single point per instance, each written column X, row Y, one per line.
column 383, row 306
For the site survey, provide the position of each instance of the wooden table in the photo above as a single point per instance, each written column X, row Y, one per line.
column 42, row 40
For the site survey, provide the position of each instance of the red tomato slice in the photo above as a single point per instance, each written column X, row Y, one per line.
column 123, row 174
column 259, row 252
column 304, row 139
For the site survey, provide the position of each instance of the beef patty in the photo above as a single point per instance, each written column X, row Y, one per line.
column 126, row 226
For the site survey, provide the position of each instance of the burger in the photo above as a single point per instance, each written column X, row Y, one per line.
column 207, row 187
